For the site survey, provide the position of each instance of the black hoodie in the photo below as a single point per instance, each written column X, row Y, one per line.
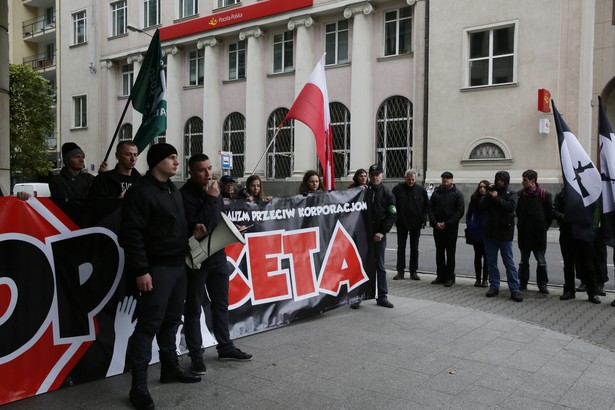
column 499, row 211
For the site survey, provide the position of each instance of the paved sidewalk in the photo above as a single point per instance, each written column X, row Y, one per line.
column 438, row 348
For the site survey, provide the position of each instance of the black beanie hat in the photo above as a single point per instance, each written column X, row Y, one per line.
column 69, row 149
column 158, row 152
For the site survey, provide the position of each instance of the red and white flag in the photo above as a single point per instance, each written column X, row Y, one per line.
column 312, row 108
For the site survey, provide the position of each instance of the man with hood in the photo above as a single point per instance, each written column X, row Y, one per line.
column 499, row 206
column 445, row 210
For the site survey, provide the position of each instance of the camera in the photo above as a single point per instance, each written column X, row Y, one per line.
column 492, row 188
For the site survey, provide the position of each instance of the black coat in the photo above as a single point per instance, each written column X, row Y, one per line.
column 534, row 216
column 106, row 190
column 446, row 205
column 379, row 202
column 499, row 212
column 69, row 193
column 412, row 206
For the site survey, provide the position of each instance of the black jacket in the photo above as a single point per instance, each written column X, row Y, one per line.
column 499, row 212
column 106, row 190
column 69, row 191
column 379, row 202
column 534, row 216
column 204, row 209
column 153, row 230
column 446, row 205
column 412, row 206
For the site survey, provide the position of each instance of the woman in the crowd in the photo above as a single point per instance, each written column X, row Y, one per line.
column 254, row 190
column 311, row 183
column 474, row 234
column 359, row 179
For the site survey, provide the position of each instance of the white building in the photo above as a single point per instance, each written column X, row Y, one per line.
column 234, row 69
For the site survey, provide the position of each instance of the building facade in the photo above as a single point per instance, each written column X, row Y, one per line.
column 427, row 84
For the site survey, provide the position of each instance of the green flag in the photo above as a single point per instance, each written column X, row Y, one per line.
column 149, row 95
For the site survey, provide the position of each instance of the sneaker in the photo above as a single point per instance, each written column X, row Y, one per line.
column 477, row 284
column 581, row 288
column 594, row 299
column 516, row 296
column 198, row 366
column 437, row 281
column 567, row 296
column 613, row 303
column 384, row 303
column 414, row 276
column 236, row 355
column 600, row 290
column 448, row 283
column 543, row 289
column 400, row 275
column 492, row 292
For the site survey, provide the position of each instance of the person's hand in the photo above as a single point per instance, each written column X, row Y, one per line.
column 22, row 195
column 440, row 225
column 200, row 231
column 144, row 283
column 378, row 237
column 493, row 193
column 269, row 198
column 212, row 188
column 102, row 167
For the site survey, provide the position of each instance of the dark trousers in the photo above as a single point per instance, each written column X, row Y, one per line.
column 567, row 246
column 584, row 254
column 446, row 245
column 216, row 279
column 159, row 314
column 402, row 236
column 381, row 273
column 602, row 272
column 480, row 262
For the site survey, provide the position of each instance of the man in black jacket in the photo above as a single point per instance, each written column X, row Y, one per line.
column 153, row 235
column 108, row 188
column 445, row 210
column 203, row 205
column 499, row 206
column 412, row 205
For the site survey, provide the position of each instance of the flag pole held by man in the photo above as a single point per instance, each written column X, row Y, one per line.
column 149, row 95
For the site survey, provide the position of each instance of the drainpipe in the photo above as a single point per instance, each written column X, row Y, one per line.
column 426, row 92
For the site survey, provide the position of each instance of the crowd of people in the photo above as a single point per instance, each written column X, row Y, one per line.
column 155, row 219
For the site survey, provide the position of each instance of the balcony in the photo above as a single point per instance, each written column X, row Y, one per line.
column 40, row 29
column 41, row 62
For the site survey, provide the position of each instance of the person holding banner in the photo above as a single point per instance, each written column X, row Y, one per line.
column 203, row 205
column 311, row 183
column 359, row 179
column 153, row 235
column 253, row 191
column 382, row 213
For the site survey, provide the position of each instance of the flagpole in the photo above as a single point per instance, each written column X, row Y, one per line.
column 277, row 131
column 117, row 130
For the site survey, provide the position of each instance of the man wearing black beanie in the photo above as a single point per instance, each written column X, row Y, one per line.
column 70, row 187
column 153, row 235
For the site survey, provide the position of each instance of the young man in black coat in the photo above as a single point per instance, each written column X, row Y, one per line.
column 412, row 207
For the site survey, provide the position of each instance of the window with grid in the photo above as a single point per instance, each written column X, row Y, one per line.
column 487, row 150
column 491, row 56
column 193, row 140
column 80, row 107
column 283, row 52
column 128, row 77
column 280, row 156
column 394, row 136
column 336, row 42
column 119, row 15
column 224, row 3
column 80, row 34
column 237, row 60
column 234, row 140
column 196, row 64
column 188, row 8
column 151, row 13
column 398, row 31
column 340, row 128
column 125, row 133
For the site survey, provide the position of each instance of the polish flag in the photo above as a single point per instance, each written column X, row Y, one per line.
column 312, row 108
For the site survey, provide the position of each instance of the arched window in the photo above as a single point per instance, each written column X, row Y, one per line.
column 487, row 150
column 193, row 140
column 394, row 136
column 280, row 157
column 234, row 140
column 125, row 133
column 340, row 126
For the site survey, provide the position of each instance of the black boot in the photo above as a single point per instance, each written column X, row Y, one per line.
column 171, row 371
column 139, row 395
column 524, row 275
column 400, row 275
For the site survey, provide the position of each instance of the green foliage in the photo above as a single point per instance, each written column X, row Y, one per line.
column 30, row 119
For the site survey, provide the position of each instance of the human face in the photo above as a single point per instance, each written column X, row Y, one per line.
column 410, row 179
column 447, row 182
column 229, row 187
column 76, row 162
column 362, row 178
column 168, row 166
column 127, row 157
column 254, row 188
column 528, row 183
column 500, row 182
column 482, row 188
column 201, row 173
column 376, row 178
column 313, row 183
